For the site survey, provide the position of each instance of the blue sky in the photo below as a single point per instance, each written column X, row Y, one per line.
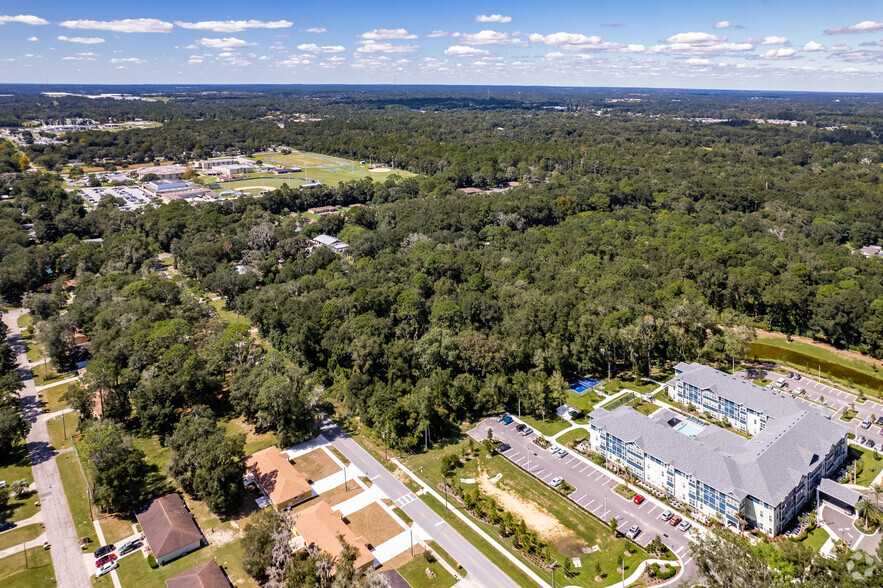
column 753, row 44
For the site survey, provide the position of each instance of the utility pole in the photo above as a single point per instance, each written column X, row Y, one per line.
column 385, row 452
column 345, row 489
column 25, row 545
column 446, row 497
column 553, row 566
column 412, row 541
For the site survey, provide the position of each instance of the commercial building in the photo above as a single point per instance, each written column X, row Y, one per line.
column 163, row 172
column 320, row 526
column 330, row 242
column 168, row 527
column 277, row 478
column 205, row 575
column 766, row 479
column 213, row 163
column 176, row 190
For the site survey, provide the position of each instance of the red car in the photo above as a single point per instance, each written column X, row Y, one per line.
column 673, row 521
column 105, row 560
column 638, row 499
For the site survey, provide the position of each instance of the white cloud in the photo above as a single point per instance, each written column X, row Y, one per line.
column 296, row 60
column 28, row 19
column 33, row 39
column 866, row 26
column 724, row 24
column 128, row 60
column 225, row 43
column 465, row 51
column 87, row 54
column 493, row 18
column 697, row 61
column 436, row 34
column 78, row 58
column 702, row 44
column 314, row 30
column 233, row 26
column 488, row 38
column 813, row 46
column 82, row 40
column 782, row 53
column 839, row 47
column 195, row 59
column 128, row 25
column 375, row 47
column 580, row 42
column 774, row 40
column 872, row 43
column 336, row 59
column 313, row 48
column 387, row 34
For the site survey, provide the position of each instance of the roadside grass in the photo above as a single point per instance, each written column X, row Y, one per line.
column 52, row 401
column 445, row 556
column 58, row 426
column 339, row 455
column 24, row 321
column 414, row 572
column 35, row 351
column 815, row 539
column 77, row 498
column 586, row 529
column 19, row 535
column 38, row 571
column 17, row 466
column 401, row 514
column 551, row 426
column 870, row 465
column 45, row 374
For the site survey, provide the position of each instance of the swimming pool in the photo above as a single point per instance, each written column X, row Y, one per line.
column 689, row 429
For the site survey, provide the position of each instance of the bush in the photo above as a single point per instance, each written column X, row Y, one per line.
column 624, row 490
column 151, row 561
column 427, row 555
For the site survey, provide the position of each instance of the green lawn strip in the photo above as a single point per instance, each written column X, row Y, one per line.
column 18, row 467
column 38, row 571
column 821, row 353
column 24, row 321
column 58, row 426
column 77, row 499
column 401, row 514
column 870, row 465
column 19, row 535
column 572, row 436
column 414, row 572
column 585, row 402
column 35, row 352
column 445, row 556
column 52, row 401
column 45, row 374
column 551, row 426
column 615, row 385
column 646, row 408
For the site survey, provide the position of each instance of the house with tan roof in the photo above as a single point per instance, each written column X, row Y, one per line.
column 276, row 477
column 205, row 575
column 168, row 527
column 320, row 526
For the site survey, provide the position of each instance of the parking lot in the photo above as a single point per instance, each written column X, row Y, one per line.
column 133, row 197
column 594, row 487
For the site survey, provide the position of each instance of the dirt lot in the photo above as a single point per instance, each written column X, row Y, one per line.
column 316, row 465
column 373, row 524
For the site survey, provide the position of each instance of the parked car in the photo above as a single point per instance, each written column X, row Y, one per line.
column 7, row 525
column 633, row 532
column 797, row 376
column 685, row 526
column 133, row 545
column 799, row 390
column 869, row 443
column 501, row 449
column 780, row 382
column 553, row 449
column 666, row 515
column 106, row 568
column 880, row 421
column 790, row 374
column 105, row 560
column 520, row 427
column 102, row 551
column 860, row 439
column 502, row 417
column 555, row 482
column 527, row 431
column 507, row 420
column 674, row 521
column 638, row 499
column 562, row 453
column 866, row 424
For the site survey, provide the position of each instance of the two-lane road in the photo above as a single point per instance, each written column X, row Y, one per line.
column 480, row 568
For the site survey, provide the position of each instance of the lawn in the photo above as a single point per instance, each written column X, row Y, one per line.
column 25, row 321
column 815, row 539
column 44, row 374
column 550, row 426
column 58, row 426
column 15, row 536
column 18, row 467
column 254, row 442
column 646, row 408
column 821, row 353
column 157, row 458
column 116, row 528
column 38, row 571
column 615, row 385
column 524, row 494
column 414, row 572
column 586, row 402
column 374, row 524
column 621, row 401
column 228, row 315
column 871, row 466
column 52, row 397
column 77, row 498
column 572, row 436
column 316, row 465
column 35, row 351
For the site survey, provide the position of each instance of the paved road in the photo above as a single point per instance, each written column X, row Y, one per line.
column 479, row 567
column 842, row 525
column 66, row 553
column 594, row 488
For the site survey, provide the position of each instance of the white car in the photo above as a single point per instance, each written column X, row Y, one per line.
column 633, row 531
column 553, row 449
column 799, row 390
column 555, row 482
column 106, row 568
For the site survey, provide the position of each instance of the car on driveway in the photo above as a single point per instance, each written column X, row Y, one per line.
column 105, row 560
column 133, row 545
column 501, row 449
column 102, row 551
column 685, row 526
column 666, row 515
column 674, row 521
column 638, row 499
column 555, row 482
column 633, row 531
column 106, row 568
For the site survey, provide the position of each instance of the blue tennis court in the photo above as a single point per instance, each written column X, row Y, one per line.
column 583, row 386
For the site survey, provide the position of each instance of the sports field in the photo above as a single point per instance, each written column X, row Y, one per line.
column 326, row 169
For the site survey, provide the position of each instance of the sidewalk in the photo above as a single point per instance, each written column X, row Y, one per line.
column 21, row 546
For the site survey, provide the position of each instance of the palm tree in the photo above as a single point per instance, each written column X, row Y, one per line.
column 19, row 487
column 740, row 516
column 867, row 510
column 877, row 489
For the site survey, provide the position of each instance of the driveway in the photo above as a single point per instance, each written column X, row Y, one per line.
column 478, row 566
column 66, row 553
column 594, row 488
column 842, row 525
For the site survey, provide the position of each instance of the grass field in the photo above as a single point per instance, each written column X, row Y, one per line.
column 815, row 539
column 414, row 572
column 254, row 442
column 66, row 423
column 38, row 571
column 550, row 426
column 15, row 536
column 228, row 315
column 572, row 436
column 77, row 498
column 870, row 467
column 24, row 321
column 46, row 374
column 18, row 467
column 52, row 397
